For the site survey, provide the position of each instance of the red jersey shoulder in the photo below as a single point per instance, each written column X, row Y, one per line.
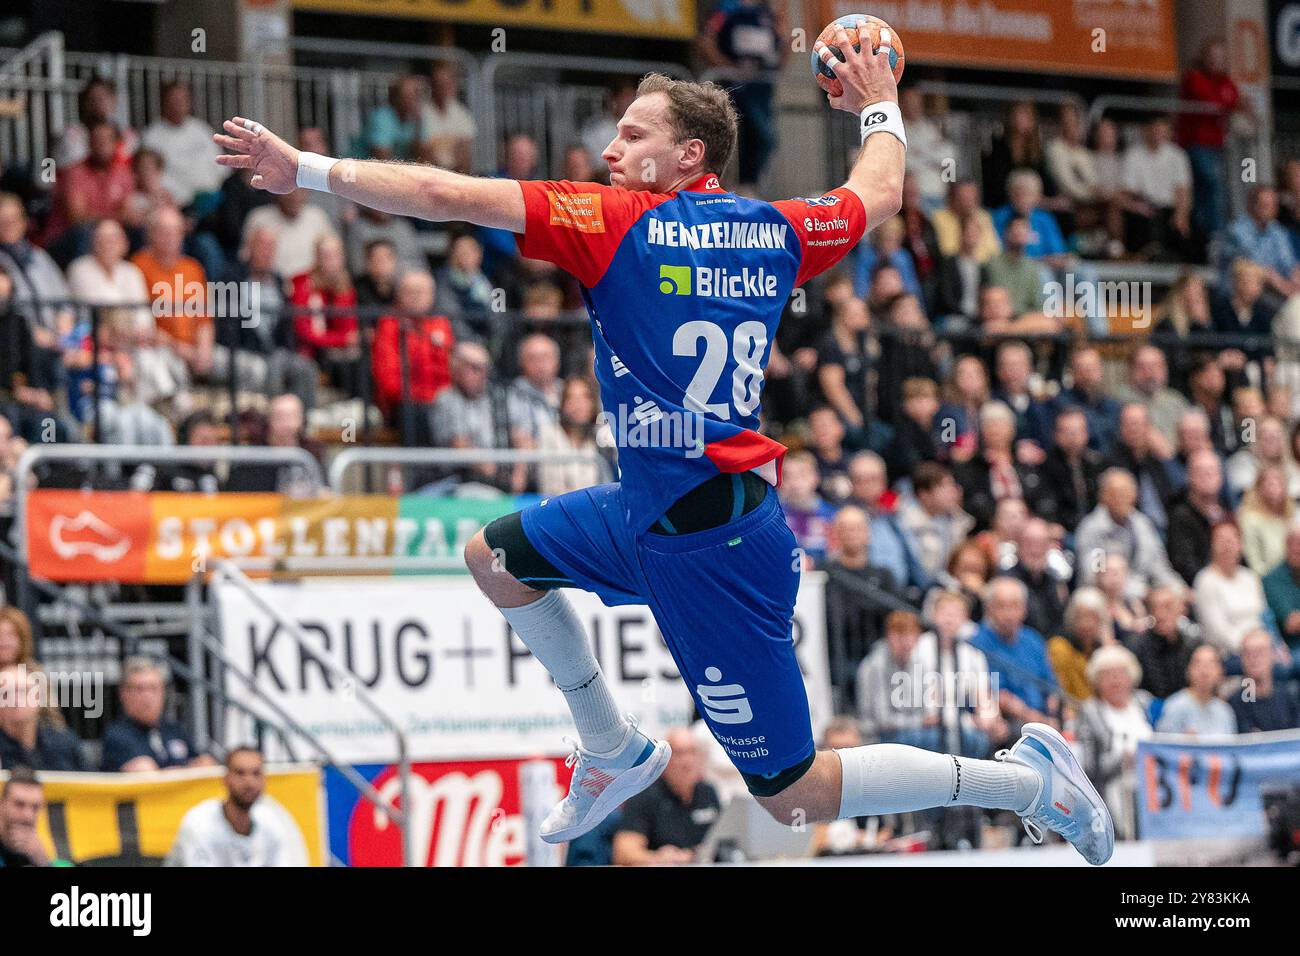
column 828, row 226
column 579, row 226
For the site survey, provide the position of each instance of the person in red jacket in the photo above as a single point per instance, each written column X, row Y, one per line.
column 325, row 330
column 1202, row 134
column 426, row 340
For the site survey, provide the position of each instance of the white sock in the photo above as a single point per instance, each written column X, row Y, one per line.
column 549, row 627
column 892, row 778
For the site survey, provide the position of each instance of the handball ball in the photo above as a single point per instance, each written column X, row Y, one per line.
column 874, row 31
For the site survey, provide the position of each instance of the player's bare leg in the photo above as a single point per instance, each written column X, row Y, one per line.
column 613, row 760
column 1038, row 778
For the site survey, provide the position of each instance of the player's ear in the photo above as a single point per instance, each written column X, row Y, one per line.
column 692, row 153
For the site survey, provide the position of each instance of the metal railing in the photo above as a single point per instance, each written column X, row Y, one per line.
column 350, row 458
column 229, row 571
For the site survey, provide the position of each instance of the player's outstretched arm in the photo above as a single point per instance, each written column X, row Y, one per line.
column 877, row 176
column 402, row 189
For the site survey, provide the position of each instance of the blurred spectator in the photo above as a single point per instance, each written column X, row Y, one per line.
column 463, row 279
column 933, row 517
column 105, row 278
column 1266, row 700
column 1138, row 451
column 931, row 156
column 377, row 282
column 1042, row 239
column 891, row 679
column 1070, row 165
column 1164, row 648
column 98, row 187
column 859, row 593
column 149, row 192
column 994, row 474
column 892, row 547
column 577, row 430
column 1241, row 310
column 370, row 225
column 958, row 279
column 886, row 247
column 500, row 249
column 537, row 388
column 286, row 427
column 1013, row 370
column 1012, row 270
column 1017, row 656
column 447, row 128
column 846, row 370
column 1195, row 710
column 1019, row 147
column 746, row 40
column 599, row 131
column 298, row 227
column 1045, row 586
column 476, row 413
column 1207, row 387
column 1148, row 386
column 915, row 438
column 393, row 131
column 186, row 147
column 411, row 356
column 665, row 823
column 964, row 394
column 143, row 738
column 226, row 221
column 1202, row 134
column 1112, row 721
column 1116, row 526
column 325, row 327
column 21, row 801
column 27, row 737
column 1157, row 200
column 172, row 279
column 807, row 514
column 16, row 645
column 1184, row 312
column 1087, row 391
column 1071, row 469
column 1229, row 597
column 35, row 278
column 269, row 331
column 1085, row 628
column 963, row 208
column 96, row 103
column 238, row 831
column 1282, row 589
column 1193, row 514
column 1270, row 449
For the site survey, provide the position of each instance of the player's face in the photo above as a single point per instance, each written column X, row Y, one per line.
column 644, row 153
column 245, row 780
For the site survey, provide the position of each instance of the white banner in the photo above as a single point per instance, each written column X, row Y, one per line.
column 439, row 659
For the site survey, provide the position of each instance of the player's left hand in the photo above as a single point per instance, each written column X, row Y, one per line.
column 273, row 161
column 866, row 77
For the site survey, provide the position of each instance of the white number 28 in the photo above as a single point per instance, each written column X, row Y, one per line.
column 748, row 343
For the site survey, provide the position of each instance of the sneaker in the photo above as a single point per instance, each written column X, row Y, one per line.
column 1067, row 803
column 601, row 782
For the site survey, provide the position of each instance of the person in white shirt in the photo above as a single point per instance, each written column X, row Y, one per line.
column 240, row 830
column 297, row 226
column 447, row 128
column 1157, row 199
column 1229, row 596
column 186, row 146
column 930, row 154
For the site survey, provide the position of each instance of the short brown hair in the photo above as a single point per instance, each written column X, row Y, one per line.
column 902, row 622
column 23, row 628
column 700, row 111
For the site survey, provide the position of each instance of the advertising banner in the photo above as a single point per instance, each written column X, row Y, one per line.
column 1193, row 789
column 1118, row 38
column 131, row 819
column 438, row 658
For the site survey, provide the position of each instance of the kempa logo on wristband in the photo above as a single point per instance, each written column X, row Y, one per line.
column 314, row 171
column 883, row 118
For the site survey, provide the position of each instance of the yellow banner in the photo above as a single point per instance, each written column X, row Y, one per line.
column 130, row 819
column 651, row 18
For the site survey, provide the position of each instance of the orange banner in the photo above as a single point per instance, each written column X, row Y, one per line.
column 1120, row 38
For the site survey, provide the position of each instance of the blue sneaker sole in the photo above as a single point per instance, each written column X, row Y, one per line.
column 1068, row 764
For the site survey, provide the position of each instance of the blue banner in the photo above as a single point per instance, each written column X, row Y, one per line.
column 1189, row 789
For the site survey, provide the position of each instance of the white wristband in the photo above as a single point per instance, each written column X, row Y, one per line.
column 883, row 117
column 314, row 171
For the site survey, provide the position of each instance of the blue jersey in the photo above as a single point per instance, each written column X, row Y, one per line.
column 685, row 291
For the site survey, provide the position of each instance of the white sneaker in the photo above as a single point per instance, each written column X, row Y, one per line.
column 1067, row 802
column 601, row 782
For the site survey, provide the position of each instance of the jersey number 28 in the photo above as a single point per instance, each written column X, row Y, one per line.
column 748, row 343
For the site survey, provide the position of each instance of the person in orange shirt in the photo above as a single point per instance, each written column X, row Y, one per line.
column 178, row 288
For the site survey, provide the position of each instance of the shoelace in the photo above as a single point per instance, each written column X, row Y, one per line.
column 577, row 752
column 1034, row 823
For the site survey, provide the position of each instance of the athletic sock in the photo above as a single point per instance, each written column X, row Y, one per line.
column 893, row 778
column 549, row 627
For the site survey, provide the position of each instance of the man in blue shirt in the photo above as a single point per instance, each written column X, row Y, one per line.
column 1024, row 192
column 142, row 738
column 1017, row 654
column 1258, row 236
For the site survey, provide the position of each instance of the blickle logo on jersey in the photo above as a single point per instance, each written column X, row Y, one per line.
column 717, row 282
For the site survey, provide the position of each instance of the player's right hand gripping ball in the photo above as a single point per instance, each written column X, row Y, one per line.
column 859, row 27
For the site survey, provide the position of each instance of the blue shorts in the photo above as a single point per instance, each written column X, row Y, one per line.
column 723, row 599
